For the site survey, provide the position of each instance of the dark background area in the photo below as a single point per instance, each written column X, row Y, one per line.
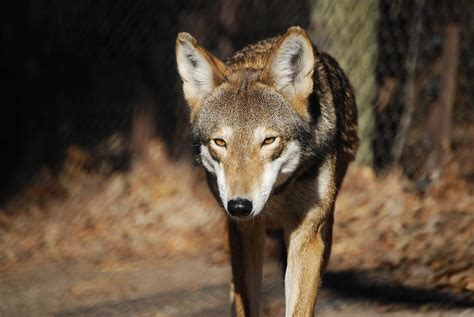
column 74, row 72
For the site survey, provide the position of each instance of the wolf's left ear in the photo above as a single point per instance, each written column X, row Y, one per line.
column 290, row 67
column 200, row 71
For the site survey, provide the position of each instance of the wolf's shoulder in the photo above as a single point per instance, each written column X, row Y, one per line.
column 252, row 56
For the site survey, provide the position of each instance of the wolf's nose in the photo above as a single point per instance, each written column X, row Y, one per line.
column 239, row 207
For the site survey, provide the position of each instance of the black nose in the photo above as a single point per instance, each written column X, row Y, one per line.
column 239, row 207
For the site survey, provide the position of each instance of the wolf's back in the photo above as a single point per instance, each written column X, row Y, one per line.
column 253, row 56
column 346, row 108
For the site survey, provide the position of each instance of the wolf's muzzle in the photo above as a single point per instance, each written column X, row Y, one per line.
column 239, row 207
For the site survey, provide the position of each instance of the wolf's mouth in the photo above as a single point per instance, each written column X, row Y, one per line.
column 251, row 217
column 241, row 218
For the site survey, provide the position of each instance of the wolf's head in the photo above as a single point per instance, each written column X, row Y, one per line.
column 251, row 122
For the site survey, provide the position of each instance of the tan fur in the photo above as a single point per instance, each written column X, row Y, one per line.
column 283, row 87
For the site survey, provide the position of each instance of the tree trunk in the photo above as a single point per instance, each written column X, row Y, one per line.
column 348, row 31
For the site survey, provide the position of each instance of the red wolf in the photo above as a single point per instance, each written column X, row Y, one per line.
column 275, row 128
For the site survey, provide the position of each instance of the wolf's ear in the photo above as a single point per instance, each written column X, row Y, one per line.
column 290, row 67
column 200, row 71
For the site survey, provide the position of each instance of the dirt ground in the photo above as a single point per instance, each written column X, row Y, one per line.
column 192, row 287
column 150, row 242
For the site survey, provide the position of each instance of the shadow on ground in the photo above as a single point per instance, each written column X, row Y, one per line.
column 361, row 285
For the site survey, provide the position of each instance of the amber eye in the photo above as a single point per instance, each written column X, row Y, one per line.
column 219, row 142
column 269, row 140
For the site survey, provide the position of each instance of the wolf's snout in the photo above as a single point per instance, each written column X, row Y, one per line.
column 239, row 207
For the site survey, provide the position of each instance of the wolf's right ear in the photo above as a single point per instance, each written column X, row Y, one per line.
column 200, row 71
column 290, row 68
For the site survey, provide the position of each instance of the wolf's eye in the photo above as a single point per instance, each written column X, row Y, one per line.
column 269, row 140
column 219, row 142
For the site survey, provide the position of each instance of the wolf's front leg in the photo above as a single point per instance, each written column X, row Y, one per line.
column 246, row 242
column 306, row 253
